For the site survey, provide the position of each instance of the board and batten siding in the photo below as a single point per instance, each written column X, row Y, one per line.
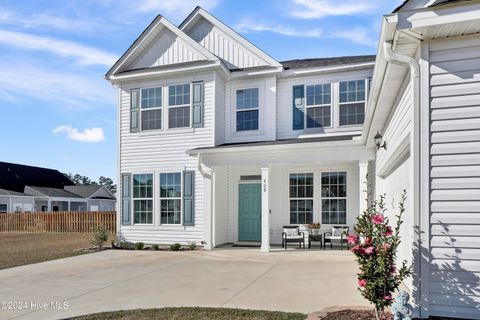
column 157, row 151
column 455, row 177
column 223, row 46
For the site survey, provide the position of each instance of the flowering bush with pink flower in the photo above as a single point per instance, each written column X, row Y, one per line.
column 375, row 247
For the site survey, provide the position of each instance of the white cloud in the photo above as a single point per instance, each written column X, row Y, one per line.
column 316, row 9
column 94, row 134
column 173, row 9
column 84, row 55
column 67, row 91
column 359, row 35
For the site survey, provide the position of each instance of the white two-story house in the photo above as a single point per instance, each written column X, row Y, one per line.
column 219, row 143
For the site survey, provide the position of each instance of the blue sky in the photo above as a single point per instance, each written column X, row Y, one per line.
column 57, row 111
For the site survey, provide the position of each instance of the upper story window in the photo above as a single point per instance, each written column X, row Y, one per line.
column 179, row 106
column 151, row 108
column 247, row 109
column 352, row 102
column 319, row 105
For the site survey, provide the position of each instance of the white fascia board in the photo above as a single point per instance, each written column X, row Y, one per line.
column 258, row 149
column 328, row 69
column 229, row 31
column 452, row 14
column 246, row 74
column 148, row 73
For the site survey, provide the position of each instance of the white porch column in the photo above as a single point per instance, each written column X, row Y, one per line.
column 208, row 211
column 265, row 211
column 363, row 185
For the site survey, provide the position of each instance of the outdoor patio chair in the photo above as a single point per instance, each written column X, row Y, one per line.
column 339, row 233
column 292, row 234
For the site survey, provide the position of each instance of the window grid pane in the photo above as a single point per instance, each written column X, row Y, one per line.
column 247, row 109
column 301, row 198
column 318, row 117
column 179, row 94
column 152, row 119
column 318, row 94
column 179, row 117
column 170, row 198
column 352, row 114
column 352, row 91
column 143, row 198
column 247, row 120
column 334, row 193
column 151, row 98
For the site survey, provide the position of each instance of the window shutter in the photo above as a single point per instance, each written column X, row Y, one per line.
column 188, row 198
column 134, row 106
column 197, row 104
column 126, row 189
column 298, row 107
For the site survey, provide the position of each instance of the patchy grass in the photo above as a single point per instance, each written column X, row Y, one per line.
column 17, row 249
column 195, row 313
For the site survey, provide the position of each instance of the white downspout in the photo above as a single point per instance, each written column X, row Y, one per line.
column 200, row 168
column 418, row 237
column 208, row 240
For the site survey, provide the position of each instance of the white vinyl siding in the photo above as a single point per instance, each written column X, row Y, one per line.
column 455, row 178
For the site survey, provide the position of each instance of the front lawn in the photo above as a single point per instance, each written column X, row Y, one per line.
column 17, row 249
column 195, row 313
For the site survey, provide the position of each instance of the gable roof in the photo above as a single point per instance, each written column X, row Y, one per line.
column 89, row 191
column 15, row 177
column 50, row 192
column 199, row 12
column 148, row 35
column 321, row 62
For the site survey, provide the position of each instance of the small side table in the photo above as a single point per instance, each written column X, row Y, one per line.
column 315, row 237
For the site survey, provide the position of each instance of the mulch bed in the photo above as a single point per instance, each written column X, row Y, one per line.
column 353, row 315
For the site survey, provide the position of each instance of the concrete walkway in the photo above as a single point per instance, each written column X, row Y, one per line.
column 298, row 280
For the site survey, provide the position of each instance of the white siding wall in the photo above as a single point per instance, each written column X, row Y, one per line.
column 166, row 48
column 455, row 177
column 285, row 101
column 223, row 46
column 159, row 151
column 219, row 109
column 395, row 170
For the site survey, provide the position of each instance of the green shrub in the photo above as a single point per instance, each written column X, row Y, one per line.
column 125, row 245
column 139, row 245
column 175, row 247
column 192, row 245
column 155, row 247
column 100, row 235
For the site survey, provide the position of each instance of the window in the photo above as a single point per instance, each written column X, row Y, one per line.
column 151, row 106
column 301, row 198
column 179, row 106
column 318, row 105
column 247, row 109
column 334, row 197
column 3, row 208
column 170, row 198
column 352, row 102
column 143, row 198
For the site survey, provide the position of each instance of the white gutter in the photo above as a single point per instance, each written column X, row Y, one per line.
column 416, row 149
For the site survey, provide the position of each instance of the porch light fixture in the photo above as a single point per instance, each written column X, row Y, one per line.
column 378, row 141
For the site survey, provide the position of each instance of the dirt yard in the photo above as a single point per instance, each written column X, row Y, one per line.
column 18, row 249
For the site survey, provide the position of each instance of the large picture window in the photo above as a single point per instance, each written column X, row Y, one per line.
column 352, row 102
column 247, row 109
column 334, row 197
column 319, row 105
column 142, row 198
column 179, row 106
column 151, row 107
column 171, row 198
column 301, row 198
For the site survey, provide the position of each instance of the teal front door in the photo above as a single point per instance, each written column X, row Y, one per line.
column 249, row 212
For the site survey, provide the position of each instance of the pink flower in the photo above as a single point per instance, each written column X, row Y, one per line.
column 352, row 239
column 358, row 250
column 369, row 250
column 389, row 231
column 393, row 270
column 362, row 282
column 368, row 241
column 386, row 246
column 387, row 297
column 378, row 219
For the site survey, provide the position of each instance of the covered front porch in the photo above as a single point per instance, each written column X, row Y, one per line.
column 251, row 192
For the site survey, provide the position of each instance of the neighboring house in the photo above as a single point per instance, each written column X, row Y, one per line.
column 27, row 189
column 219, row 143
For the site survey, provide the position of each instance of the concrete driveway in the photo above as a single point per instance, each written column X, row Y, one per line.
column 303, row 281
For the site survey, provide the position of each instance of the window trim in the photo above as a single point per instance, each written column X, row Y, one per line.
column 364, row 101
column 175, row 198
column 168, row 106
column 133, row 200
column 305, row 120
column 249, row 109
column 334, row 198
column 140, row 116
column 300, row 171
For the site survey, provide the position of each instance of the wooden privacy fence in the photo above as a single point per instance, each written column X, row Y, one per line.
column 61, row 221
